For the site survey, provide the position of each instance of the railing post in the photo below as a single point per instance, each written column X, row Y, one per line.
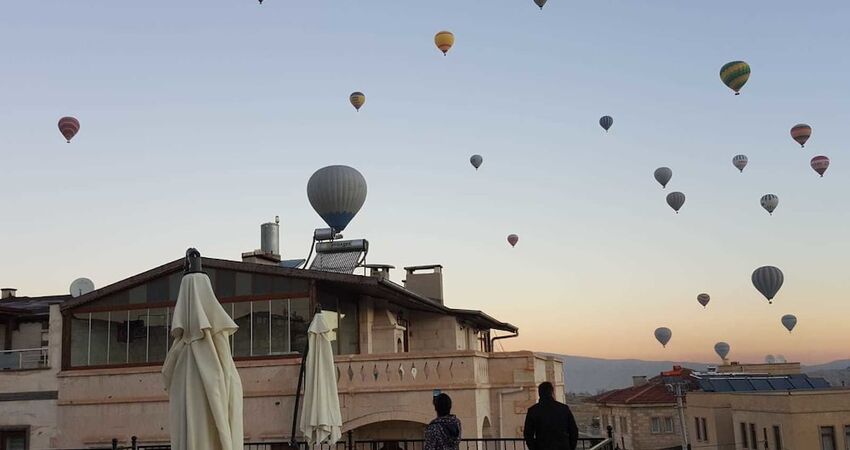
column 610, row 431
column 133, row 444
column 350, row 440
column 114, row 444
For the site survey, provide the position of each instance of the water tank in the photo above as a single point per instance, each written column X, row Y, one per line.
column 270, row 237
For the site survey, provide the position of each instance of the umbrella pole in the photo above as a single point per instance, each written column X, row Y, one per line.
column 298, row 393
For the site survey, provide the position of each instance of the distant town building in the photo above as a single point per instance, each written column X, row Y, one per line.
column 644, row 416
column 747, row 411
column 775, row 368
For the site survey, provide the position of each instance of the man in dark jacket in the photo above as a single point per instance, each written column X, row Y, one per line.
column 443, row 433
column 550, row 425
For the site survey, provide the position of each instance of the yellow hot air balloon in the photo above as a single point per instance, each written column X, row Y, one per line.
column 357, row 100
column 444, row 41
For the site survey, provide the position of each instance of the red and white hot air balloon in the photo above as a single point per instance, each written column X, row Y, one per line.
column 513, row 239
column 69, row 127
column 820, row 164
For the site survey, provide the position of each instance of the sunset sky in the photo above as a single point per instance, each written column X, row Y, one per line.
column 203, row 118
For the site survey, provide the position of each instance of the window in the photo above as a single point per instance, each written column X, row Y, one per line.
column 827, row 438
column 744, row 440
column 777, row 438
column 704, row 429
column 655, row 425
column 668, row 424
column 753, row 438
column 13, row 439
column 624, row 425
column 846, row 436
column 698, row 429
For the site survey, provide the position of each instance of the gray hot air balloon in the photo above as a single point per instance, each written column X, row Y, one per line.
column 703, row 299
column 476, row 161
column 769, row 202
column 337, row 193
column 663, row 335
column 540, row 3
column 676, row 200
column 770, row 359
column 722, row 349
column 663, row 175
column 789, row 321
column 740, row 161
column 768, row 280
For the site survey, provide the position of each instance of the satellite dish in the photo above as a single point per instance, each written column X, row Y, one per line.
column 81, row 286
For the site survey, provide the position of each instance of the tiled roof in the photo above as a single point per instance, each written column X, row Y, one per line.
column 654, row 391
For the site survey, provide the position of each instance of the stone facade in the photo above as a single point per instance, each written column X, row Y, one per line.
column 633, row 427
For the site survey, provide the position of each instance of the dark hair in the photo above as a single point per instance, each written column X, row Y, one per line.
column 443, row 405
column 546, row 390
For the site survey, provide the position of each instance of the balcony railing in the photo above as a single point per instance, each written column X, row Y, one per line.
column 384, row 444
column 27, row 358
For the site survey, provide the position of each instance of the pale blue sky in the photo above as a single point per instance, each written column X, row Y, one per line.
column 201, row 119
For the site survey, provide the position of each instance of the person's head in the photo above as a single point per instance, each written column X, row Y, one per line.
column 546, row 390
column 443, row 405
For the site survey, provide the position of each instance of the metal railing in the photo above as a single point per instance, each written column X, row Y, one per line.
column 382, row 444
column 25, row 358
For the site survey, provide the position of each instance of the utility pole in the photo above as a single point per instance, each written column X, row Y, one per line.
column 678, row 388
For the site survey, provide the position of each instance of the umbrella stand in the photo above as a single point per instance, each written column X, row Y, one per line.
column 301, row 371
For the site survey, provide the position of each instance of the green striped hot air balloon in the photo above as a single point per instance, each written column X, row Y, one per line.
column 735, row 75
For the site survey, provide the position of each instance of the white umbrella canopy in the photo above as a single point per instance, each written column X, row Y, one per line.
column 321, row 420
column 204, row 389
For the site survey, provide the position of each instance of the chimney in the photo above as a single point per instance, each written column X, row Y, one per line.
column 639, row 380
column 428, row 284
column 7, row 293
column 269, row 251
column 379, row 271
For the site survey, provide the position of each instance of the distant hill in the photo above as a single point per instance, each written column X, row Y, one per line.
column 591, row 375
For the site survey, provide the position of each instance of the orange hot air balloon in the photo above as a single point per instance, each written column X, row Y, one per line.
column 801, row 133
column 513, row 239
column 444, row 41
column 69, row 127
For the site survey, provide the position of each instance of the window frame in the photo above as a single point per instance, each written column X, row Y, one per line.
column 745, row 440
column 754, row 441
column 698, row 430
column 656, row 425
column 68, row 317
column 777, row 437
column 672, row 422
column 704, row 422
column 821, row 429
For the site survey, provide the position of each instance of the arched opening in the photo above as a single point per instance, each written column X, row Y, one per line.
column 389, row 432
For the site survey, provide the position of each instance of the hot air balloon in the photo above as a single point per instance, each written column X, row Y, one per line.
column 801, row 133
column 768, row 280
column 69, row 127
column 820, row 164
column 703, row 299
column 789, row 321
column 662, row 176
column 540, row 3
column 770, row 359
column 735, row 75
column 740, row 161
column 676, row 200
column 663, row 335
column 337, row 193
column 606, row 122
column 769, row 202
column 444, row 41
column 722, row 349
column 476, row 161
column 357, row 100
column 513, row 239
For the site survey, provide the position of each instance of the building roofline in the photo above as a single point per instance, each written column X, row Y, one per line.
column 307, row 274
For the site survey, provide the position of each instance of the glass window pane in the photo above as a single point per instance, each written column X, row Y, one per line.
column 158, row 338
column 242, row 337
column 174, row 285
column 119, row 334
column 261, row 344
column 138, row 337
column 158, row 290
column 225, row 284
column 99, row 339
column 299, row 321
column 262, row 284
column 827, row 438
column 347, row 334
column 243, row 283
column 139, row 294
column 280, row 327
column 79, row 339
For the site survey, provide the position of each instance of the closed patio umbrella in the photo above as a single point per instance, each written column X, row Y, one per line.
column 204, row 389
column 321, row 421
